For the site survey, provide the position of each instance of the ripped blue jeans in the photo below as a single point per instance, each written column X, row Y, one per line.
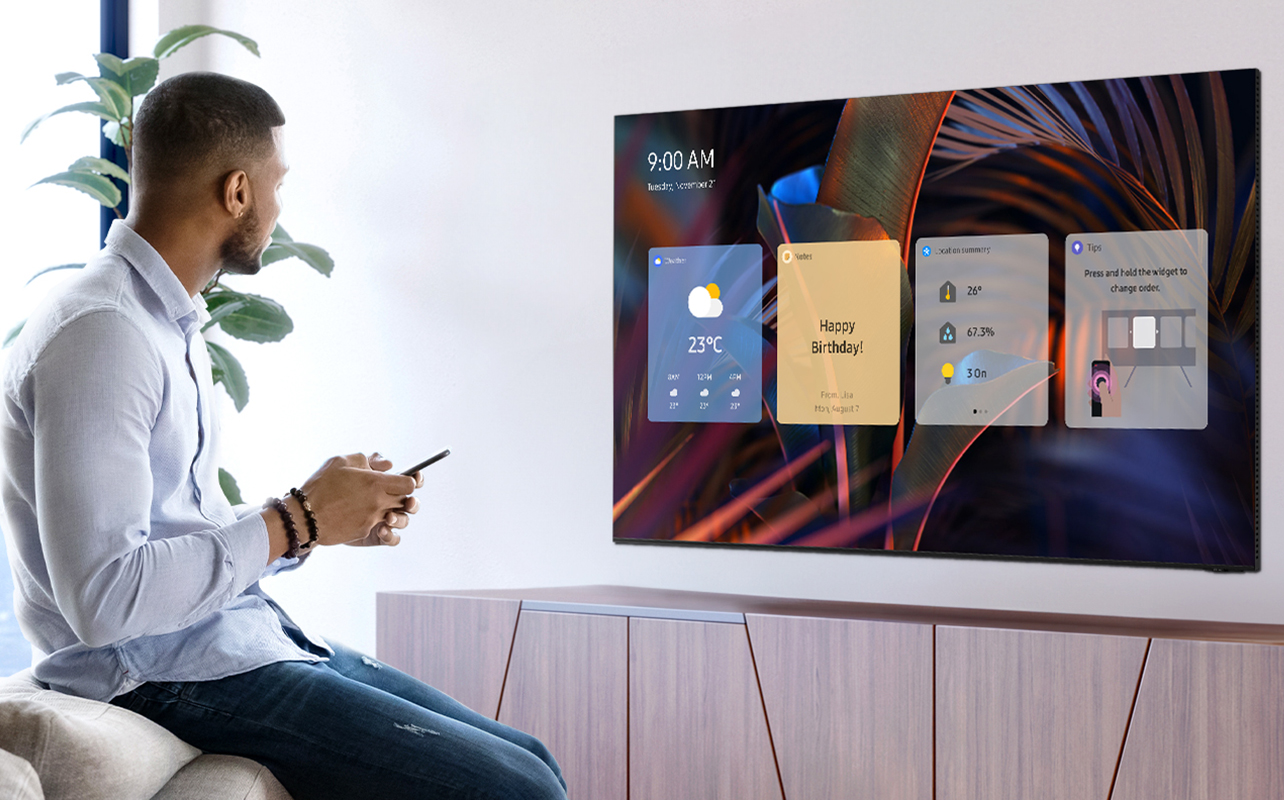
column 350, row 728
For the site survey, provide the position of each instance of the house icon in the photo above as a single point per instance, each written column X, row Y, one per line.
column 948, row 334
column 947, row 292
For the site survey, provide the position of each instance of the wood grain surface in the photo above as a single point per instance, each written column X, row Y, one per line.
column 1209, row 724
column 696, row 724
column 849, row 704
column 568, row 686
column 935, row 615
column 459, row 645
column 1023, row 714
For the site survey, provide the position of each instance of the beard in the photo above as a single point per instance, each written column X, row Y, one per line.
column 242, row 250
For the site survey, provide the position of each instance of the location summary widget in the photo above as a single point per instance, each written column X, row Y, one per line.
column 981, row 317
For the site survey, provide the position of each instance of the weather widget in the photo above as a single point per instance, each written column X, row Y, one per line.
column 704, row 333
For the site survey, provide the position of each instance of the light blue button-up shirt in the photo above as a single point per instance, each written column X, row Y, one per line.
column 129, row 563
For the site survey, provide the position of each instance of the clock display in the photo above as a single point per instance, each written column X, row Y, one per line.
column 672, row 160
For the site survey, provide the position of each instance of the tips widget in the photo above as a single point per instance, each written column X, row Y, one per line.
column 1137, row 330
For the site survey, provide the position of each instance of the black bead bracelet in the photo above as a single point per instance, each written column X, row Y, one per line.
column 308, row 515
column 291, row 532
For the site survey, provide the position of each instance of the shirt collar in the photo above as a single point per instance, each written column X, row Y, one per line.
column 123, row 241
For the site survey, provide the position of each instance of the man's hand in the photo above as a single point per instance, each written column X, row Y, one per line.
column 354, row 501
column 385, row 531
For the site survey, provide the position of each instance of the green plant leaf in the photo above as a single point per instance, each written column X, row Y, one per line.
column 140, row 74
column 113, row 96
column 310, row 254
column 141, row 64
column 54, row 269
column 117, row 133
column 225, row 369
column 100, row 166
column 135, row 76
column 223, row 310
column 110, row 63
column 260, row 320
column 181, row 37
column 96, row 186
column 279, row 234
column 275, row 252
column 64, row 78
column 13, row 334
column 88, row 107
column 228, row 484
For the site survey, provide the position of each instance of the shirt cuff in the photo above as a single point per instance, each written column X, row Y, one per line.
column 243, row 510
column 247, row 550
column 282, row 564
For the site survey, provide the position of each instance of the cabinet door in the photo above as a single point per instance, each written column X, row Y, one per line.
column 696, row 724
column 1031, row 714
column 459, row 645
column 1209, row 724
column 849, row 703
column 568, row 687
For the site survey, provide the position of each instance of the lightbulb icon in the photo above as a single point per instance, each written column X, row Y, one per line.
column 947, row 372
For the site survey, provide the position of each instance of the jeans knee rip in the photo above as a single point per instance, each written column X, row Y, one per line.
column 370, row 662
column 415, row 729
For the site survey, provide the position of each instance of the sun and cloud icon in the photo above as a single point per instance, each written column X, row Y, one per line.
column 703, row 301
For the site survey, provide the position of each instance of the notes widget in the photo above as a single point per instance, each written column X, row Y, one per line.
column 838, row 333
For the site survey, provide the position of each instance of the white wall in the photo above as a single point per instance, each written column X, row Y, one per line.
column 44, row 225
column 457, row 161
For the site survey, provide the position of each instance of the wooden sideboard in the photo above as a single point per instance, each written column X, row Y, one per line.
column 644, row 694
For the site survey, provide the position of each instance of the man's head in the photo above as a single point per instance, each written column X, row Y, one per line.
column 209, row 145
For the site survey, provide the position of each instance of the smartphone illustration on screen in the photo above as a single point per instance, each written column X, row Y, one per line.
column 1101, row 376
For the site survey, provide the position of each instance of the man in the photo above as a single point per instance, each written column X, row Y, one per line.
column 133, row 573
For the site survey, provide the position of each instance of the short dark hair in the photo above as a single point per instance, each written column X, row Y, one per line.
column 200, row 120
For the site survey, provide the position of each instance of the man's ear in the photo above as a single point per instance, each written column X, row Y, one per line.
column 236, row 192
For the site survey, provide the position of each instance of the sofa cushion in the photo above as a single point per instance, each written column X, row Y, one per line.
column 85, row 749
column 18, row 779
column 231, row 777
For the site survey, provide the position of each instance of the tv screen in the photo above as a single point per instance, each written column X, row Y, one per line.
column 1017, row 322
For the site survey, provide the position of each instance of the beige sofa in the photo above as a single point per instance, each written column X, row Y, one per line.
column 56, row 746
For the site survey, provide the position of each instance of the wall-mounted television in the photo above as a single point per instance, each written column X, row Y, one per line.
column 1018, row 322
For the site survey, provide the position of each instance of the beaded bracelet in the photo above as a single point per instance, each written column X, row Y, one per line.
column 287, row 519
column 308, row 515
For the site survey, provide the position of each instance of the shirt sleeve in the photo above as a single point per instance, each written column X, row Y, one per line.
column 97, row 390
column 280, row 564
